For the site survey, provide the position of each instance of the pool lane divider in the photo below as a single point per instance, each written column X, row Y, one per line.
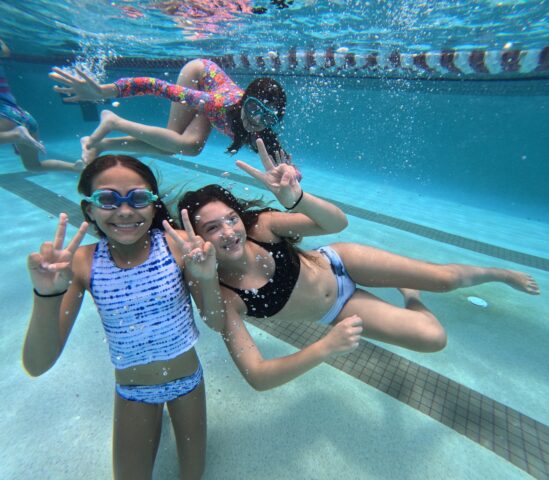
column 473, row 64
column 466, row 64
column 518, row 438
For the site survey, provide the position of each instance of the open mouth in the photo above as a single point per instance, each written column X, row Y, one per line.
column 127, row 226
column 231, row 245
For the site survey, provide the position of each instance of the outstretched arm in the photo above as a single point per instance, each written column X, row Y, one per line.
column 309, row 215
column 264, row 374
column 82, row 87
column 57, row 299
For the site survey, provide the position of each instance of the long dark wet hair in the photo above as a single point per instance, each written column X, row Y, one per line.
column 271, row 93
column 100, row 164
column 247, row 210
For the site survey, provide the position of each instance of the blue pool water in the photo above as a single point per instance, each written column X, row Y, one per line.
column 444, row 170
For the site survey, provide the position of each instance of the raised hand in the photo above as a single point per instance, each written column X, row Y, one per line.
column 50, row 270
column 279, row 177
column 199, row 256
column 344, row 337
column 80, row 88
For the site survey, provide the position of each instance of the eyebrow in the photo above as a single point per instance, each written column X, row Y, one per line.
column 231, row 212
column 118, row 191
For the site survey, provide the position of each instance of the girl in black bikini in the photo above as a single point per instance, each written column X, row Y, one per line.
column 268, row 277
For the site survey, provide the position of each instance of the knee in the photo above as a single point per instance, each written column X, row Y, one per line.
column 191, row 147
column 196, row 150
column 191, row 73
column 434, row 339
column 449, row 278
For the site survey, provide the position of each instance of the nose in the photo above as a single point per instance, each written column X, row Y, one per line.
column 124, row 209
column 226, row 230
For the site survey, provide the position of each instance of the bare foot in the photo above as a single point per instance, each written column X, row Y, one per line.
column 521, row 281
column 106, row 126
column 88, row 154
column 25, row 138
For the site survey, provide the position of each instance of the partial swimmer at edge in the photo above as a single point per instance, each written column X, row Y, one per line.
column 19, row 128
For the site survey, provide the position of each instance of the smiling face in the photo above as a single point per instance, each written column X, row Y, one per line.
column 123, row 225
column 219, row 224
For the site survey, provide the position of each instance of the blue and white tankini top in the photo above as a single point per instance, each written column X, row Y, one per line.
column 146, row 310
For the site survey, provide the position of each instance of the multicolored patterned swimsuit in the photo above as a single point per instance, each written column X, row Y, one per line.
column 9, row 108
column 217, row 93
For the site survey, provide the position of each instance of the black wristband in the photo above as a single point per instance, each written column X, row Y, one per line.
column 50, row 295
column 296, row 202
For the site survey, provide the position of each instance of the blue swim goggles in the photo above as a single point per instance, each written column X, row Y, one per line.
column 111, row 199
column 260, row 113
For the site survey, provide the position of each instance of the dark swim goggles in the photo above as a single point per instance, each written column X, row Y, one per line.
column 260, row 113
column 110, row 199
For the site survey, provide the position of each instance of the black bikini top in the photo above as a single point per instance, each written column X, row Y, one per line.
column 269, row 299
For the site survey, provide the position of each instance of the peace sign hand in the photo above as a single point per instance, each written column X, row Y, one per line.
column 80, row 88
column 279, row 177
column 199, row 256
column 50, row 270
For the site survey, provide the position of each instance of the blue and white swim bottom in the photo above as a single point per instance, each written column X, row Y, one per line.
column 165, row 392
column 345, row 284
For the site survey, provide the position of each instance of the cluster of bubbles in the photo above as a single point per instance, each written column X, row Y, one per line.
column 93, row 58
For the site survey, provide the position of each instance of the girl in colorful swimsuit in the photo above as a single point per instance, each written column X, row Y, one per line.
column 263, row 275
column 204, row 97
column 19, row 128
column 137, row 275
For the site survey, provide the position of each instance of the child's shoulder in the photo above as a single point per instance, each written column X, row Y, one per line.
column 85, row 250
column 82, row 263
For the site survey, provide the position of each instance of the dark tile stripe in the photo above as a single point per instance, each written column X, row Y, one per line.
column 41, row 197
column 510, row 434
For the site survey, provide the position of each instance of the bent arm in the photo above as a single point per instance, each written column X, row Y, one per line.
column 311, row 216
column 51, row 321
column 198, row 263
column 264, row 374
column 210, row 304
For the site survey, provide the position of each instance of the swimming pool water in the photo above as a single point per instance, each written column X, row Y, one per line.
column 444, row 171
column 498, row 352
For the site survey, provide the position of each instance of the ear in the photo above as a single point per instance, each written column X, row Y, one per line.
column 89, row 212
